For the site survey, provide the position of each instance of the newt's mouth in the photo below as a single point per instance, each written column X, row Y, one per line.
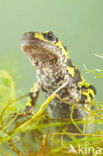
column 36, row 48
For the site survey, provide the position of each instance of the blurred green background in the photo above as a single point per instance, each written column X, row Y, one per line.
column 78, row 23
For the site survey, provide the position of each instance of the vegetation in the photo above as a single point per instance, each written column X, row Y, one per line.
column 35, row 135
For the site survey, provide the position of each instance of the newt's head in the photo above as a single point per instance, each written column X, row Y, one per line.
column 44, row 48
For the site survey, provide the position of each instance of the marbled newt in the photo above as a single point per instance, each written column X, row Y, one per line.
column 54, row 68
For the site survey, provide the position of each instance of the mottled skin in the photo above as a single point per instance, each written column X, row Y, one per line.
column 54, row 68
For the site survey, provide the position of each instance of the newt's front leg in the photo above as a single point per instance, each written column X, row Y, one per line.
column 32, row 98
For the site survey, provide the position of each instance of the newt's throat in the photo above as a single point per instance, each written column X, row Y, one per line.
column 40, row 55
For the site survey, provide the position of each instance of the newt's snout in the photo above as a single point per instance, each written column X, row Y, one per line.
column 28, row 36
column 27, row 40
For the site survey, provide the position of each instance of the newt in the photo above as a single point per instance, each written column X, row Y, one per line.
column 50, row 57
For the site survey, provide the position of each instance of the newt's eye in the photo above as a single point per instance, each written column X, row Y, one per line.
column 50, row 37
